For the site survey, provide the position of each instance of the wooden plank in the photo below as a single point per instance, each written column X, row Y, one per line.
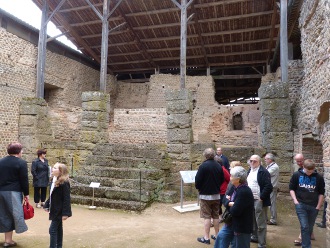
column 237, row 76
column 244, row 30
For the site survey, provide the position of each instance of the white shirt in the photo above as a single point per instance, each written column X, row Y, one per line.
column 253, row 183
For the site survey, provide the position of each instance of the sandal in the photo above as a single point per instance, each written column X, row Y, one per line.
column 297, row 242
column 9, row 244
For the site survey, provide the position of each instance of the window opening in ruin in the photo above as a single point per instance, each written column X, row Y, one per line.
column 51, row 94
column 238, row 121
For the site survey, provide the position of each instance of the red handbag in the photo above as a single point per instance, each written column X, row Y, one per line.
column 28, row 210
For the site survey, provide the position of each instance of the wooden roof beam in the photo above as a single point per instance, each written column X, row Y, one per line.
column 141, row 46
column 221, row 88
column 222, row 77
column 199, row 32
column 246, row 30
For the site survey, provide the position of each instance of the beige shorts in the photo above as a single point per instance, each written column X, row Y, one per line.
column 209, row 209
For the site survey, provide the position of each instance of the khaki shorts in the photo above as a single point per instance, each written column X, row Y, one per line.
column 209, row 209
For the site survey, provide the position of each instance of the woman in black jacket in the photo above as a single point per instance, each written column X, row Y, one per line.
column 58, row 204
column 240, row 203
column 40, row 172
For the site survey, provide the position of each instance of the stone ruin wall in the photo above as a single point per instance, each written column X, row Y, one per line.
column 67, row 77
column 211, row 122
column 313, row 108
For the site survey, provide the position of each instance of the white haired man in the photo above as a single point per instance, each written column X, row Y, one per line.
column 274, row 171
column 261, row 186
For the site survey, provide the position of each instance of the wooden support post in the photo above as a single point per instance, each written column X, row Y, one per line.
column 208, row 71
column 284, row 40
column 104, row 47
column 42, row 52
column 183, row 44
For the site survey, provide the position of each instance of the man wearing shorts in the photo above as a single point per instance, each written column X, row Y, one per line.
column 208, row 179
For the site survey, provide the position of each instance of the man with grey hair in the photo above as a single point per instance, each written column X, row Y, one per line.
column 208, row 179
column 274, row 171
column 261, row 186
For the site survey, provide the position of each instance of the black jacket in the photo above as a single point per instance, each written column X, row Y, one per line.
column 14, row 175
column 40, row 173
column 59, row 202
column 209, row 177
column 265, row 185
column 242, row 210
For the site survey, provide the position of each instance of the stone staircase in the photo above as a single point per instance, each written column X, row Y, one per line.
column 131, row 176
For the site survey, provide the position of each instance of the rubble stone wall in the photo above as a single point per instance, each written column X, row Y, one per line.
column 211, row 122
column 313, row 106
column 65, row 80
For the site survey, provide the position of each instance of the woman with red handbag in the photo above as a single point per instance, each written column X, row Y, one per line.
column 13, row 182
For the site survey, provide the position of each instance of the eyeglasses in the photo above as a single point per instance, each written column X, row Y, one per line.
column 253, row 161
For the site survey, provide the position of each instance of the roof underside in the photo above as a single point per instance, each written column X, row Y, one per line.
column 232, row 37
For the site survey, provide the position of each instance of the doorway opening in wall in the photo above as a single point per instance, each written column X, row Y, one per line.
column 312, row 149
column 51, row 94
column 238, row 121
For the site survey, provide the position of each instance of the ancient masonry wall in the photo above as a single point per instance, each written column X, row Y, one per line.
column 146, row 125
column 211, row 122
column 65, row 80
column 313, row 106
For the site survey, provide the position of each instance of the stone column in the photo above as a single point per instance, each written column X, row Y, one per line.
column 179, row 132
column 276, row 127
column 34, row 126
column 94, row 122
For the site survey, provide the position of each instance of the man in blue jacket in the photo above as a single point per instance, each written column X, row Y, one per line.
column 260, row 183
column 208, row 179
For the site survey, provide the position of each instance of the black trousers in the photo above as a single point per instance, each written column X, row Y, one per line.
column 40, row 194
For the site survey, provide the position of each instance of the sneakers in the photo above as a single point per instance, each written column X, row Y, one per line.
column 38, row 205
column 204, row 241
column 254, row 239
column 271, row 223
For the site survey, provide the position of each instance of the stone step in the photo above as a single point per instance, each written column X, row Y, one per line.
column 108, row 203
column 122, row 183
column 126, row 162
column 123, row 173
column 114, row 193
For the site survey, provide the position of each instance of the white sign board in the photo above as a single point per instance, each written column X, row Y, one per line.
column 94, row 185
column 188, row 176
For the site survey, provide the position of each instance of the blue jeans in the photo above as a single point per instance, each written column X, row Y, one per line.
column 56, row 234
column 225, row 236
column 307, row 215
column 241, row 240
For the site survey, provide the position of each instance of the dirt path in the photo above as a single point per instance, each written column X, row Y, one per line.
column 158, row 226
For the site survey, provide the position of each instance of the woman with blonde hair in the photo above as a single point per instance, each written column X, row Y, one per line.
column 59, row 204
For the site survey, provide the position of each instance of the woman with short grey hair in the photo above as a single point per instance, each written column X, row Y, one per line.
column 240, row 204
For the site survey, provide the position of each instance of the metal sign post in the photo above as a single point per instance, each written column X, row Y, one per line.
column 93, row 185
column 187, row 177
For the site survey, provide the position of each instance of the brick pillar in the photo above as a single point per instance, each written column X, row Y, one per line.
column 179, row 133
column 94, row 122
column 34, row 126
column 276, row 127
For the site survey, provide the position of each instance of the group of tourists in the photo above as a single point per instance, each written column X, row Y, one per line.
column 14, row 189
column 248, row 195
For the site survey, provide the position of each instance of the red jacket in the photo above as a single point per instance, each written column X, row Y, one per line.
column 226, row 180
